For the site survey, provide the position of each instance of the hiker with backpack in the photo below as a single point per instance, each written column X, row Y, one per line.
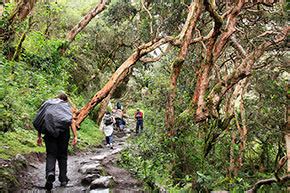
column 139, row 121
column 54, row 120
column 107, row 126
column 118, row 115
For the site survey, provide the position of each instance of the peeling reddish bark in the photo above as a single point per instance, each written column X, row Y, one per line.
column 186, row 35
column 22, row 9
column 230, row 29
column 105, row 102
column 215, row 97
column 203, row 75
column 244, row 129
column 103, row 106
column 244, row 69
column 287, row 132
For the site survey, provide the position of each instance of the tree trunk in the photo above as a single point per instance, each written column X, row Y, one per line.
column 232, row 154
column 244, row 129
column 198, row 99
column 23, row 36
column 103, row 108
column 120, row 74
column 287, row 139
column 242, row 71
column 85, row 20
column 200, row 90
column 21, row 11
column 287, row 133
column 193, row 16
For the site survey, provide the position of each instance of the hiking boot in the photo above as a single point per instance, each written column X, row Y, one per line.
column 63, row 184
column 49, row 182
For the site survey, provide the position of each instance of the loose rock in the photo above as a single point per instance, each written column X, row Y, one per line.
column 102, row 182
column 89, row 178
column 90, row 168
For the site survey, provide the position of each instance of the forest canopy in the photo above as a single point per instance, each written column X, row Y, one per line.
column 210, row 75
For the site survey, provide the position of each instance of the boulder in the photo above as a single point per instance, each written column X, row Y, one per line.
column 99, row 157
column 92, row 168
column 89, row 178
column 102, row 182
column 20, row 158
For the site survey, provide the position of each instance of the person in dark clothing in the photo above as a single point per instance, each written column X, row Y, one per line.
column 57, row 146
column 139, row 121
column 119, row 105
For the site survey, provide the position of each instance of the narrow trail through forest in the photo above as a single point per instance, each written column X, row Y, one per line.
column 91, row 171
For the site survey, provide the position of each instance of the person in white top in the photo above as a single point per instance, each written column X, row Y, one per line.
column 107, row 126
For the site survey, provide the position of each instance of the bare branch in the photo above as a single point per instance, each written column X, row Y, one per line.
column 151, row 24
column 155, row 59
column 270, row 181
column 244, row 70
column 185, row 37
column 85, row 20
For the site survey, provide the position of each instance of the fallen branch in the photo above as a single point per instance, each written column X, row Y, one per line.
column 119, row 75
column 270, row 181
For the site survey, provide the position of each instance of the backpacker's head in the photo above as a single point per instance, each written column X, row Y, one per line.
column 62, row 96
column 107, row 113
column 138, row 109
column 119, row 106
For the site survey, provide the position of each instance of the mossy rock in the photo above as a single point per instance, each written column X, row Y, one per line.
column 8, row 180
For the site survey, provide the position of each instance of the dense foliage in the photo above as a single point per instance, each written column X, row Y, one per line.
column 241, row 138
column 180, row 163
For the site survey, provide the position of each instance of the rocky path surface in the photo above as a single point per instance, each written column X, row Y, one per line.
column 94, row 171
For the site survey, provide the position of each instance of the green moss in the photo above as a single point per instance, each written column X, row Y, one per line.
column 19, row 141
column 8, row 180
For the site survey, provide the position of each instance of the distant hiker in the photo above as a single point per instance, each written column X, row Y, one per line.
column 107, row 127
column 139, row 121
column 118, row 115
column 54, row 119
column 119, row 105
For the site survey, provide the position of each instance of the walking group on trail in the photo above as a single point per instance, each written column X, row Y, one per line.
column 54, row 120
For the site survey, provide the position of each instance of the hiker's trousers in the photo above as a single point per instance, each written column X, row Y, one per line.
column 139, row 126
column 56, row 149
column 109, row 139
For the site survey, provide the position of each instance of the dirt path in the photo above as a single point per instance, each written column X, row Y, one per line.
column 84, row 168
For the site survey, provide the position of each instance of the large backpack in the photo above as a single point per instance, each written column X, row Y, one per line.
column 54, row 116
column 139, row 115
column 108, row 120
column 118, row 114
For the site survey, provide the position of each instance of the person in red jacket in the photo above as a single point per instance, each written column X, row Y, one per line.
column 139, row 121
